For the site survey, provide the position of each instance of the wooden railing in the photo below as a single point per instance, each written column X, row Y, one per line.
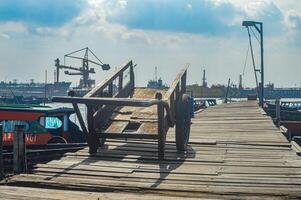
column 124, row 89
column 175, row 92
column 101, row 103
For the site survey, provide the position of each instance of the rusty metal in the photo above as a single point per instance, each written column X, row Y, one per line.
column 101, row 102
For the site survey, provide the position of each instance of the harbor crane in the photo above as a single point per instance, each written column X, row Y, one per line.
column 84, row 71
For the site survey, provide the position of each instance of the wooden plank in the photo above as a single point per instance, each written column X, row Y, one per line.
column 234, row 152
column 116, row 127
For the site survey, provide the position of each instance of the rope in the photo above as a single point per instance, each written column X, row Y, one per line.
column 255, row 35
column 253, row 60
column 247, row 55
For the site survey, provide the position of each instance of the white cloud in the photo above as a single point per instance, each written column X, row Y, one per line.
column 221, row 55
column 293, row 19
column 13, row 27
column 3, row 35
column 189, row 6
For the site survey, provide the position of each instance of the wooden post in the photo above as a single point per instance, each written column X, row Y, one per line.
column 19, row 149
column 1, row 154
column 120, row 82
column 228, row 87
column 81, row 120
column 183, row 83
column 110, row 89
column 172, row 105
column 161, row 128
column 132, row 77
column 93, row 141
column 177, row 91
column 278, row 111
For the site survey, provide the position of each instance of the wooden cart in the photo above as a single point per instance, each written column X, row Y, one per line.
column 118, row 109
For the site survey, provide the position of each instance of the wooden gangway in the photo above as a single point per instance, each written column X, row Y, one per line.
column 235, row 152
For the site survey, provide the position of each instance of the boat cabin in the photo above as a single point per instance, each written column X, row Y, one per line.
column 43, row 124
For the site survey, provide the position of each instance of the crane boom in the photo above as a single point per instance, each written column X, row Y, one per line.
column 85, row 70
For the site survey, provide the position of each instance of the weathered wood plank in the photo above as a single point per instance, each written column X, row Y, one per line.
column 234, row 152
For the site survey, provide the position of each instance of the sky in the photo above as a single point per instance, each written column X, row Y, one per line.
column 165, row 34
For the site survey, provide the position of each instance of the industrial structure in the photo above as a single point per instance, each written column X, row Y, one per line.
column 259, row 28
column 204, row 84
column 85, row 70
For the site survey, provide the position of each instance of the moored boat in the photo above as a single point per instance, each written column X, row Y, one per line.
column 42, row 124
column 289, row 111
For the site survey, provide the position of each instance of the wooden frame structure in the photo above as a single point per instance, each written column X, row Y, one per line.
column 102, row 100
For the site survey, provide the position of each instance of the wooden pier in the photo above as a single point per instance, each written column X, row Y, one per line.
column 235, row 152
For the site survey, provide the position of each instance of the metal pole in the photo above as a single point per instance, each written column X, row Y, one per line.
column 262, row 67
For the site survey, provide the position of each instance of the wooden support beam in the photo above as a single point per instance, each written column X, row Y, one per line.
column 1, row 154
column 172, row 106
column 93, row 140
column 19, row 149
column 107, row 101
column 161, row 128
column 81, row 120
column 227, row 93
column 128, row 135
column 176, row 82
column 183, row 83
column 110, row 89
column 120, row 81
column 278, row 112
column 132, row 77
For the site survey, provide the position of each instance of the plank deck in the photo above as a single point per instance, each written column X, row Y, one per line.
column 235, row 152
column 147, row 117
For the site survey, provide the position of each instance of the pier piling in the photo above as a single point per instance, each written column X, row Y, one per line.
column 19, row 149
column 278, row 111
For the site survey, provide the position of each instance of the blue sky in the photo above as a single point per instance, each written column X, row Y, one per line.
column 163, row 33
column 51, row 13
column 199, row 17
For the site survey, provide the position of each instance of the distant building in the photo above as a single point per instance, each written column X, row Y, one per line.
column 270, row 92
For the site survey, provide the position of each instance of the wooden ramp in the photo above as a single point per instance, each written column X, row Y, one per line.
column 235, row 152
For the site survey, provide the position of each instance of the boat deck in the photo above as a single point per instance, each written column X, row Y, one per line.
column 235, row 152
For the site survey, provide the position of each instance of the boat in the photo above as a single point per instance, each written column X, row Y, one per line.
column 290, row 115
column 156, row 83
column 289, row 110
column 294, row 128
column 43, row 124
